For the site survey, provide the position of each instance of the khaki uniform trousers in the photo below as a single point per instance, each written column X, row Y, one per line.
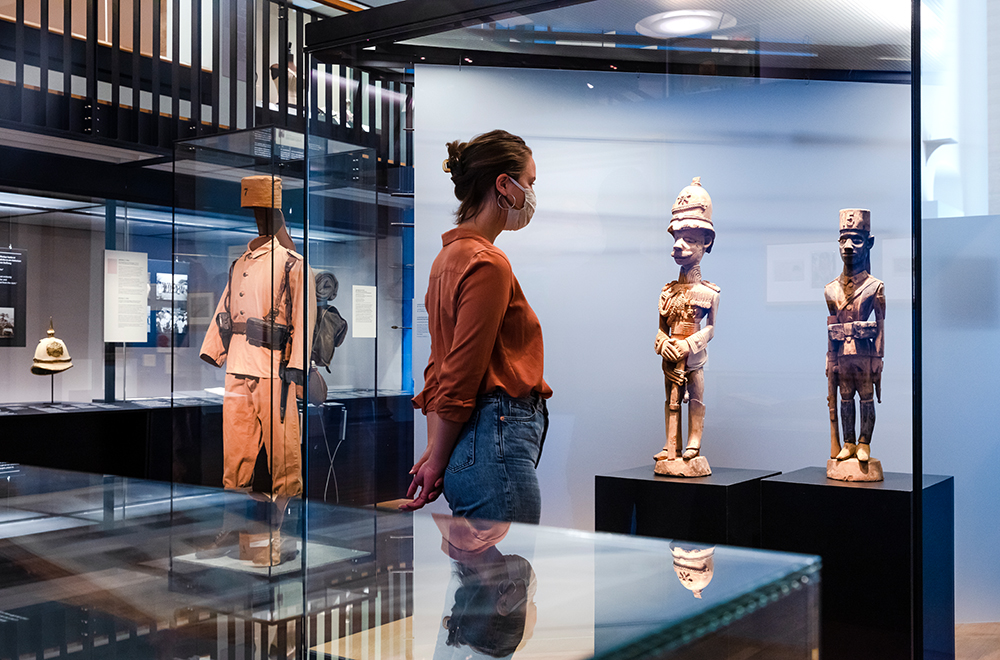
column 251, row 419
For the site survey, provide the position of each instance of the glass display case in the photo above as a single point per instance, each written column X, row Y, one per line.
column 317, row 275
column 785, row 127
column 108, row 567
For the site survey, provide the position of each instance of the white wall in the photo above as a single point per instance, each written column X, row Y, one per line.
column 780, row 158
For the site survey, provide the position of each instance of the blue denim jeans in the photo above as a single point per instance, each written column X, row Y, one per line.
column 491, row 474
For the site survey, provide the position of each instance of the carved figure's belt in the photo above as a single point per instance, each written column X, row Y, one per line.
column 683, row 329
column 853, row 330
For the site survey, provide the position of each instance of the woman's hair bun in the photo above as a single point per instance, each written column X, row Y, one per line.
column 453, row 163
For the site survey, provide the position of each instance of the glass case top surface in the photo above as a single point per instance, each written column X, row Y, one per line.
column 257, row 146
column 123, row 555
column 788, row 34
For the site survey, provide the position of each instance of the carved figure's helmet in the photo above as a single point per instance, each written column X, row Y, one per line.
column 694, row 565
column 693, row 210
column 856, row 220
column 51, row 355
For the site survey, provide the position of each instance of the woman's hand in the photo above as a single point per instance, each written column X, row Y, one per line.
column 428, row 471
column 427, row 484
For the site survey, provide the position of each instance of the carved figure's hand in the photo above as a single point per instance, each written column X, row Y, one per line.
column 675, row 377
column 676, row 350
column 877, row 366
column 661, row 338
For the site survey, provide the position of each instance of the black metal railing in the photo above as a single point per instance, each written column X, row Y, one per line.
column 148, row 72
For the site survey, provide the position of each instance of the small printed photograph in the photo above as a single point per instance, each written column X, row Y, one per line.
column 181, row 321
column 6, row 322
column 171, row 287
column 163, row 321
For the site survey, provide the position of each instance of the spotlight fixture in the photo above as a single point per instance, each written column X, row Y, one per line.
column 684, row 22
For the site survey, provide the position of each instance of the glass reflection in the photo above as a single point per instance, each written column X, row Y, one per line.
column 258, row 529
column 492, row 609
column 694, row 565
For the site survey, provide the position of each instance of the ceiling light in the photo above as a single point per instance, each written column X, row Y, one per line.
column 590, row 86
column 684, row 22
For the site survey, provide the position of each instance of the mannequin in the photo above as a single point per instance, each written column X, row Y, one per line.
column 259, row 332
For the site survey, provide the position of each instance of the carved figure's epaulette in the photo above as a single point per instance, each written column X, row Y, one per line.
column 702, row 296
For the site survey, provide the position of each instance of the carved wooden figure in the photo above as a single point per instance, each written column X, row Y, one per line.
column 855, row 347
column 681, row 341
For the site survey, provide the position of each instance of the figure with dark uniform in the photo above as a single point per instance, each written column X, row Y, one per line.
column 681, row 340
column 856, row 338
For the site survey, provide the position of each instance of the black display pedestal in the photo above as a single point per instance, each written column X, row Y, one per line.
column 862, row 532
column 722, row 508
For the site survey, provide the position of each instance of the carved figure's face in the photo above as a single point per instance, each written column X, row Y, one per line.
column 854, row 246
column 689, row 246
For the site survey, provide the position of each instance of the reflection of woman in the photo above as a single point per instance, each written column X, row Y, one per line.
column 484, row 394
column 493, row 611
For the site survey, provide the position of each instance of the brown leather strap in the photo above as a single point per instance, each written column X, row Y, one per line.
column 239, row 328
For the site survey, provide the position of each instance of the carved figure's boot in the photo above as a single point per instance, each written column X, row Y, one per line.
column 867, row 420
column 847, row 420
column 696, row 422
column 864, row 452
column 867, row 426
column 847, row 452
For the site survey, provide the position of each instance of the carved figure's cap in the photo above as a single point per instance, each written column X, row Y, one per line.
column 692, row 209
column 260, row 190
column 51, row 355
column 856, row 220
column 694, row 566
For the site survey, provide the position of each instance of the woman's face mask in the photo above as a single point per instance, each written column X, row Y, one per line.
column 519, row 218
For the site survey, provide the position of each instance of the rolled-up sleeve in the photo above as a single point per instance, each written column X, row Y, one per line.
column 425, row 399
column 482, row 297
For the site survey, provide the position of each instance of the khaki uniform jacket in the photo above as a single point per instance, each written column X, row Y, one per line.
column 851, row 302
column 255, row 288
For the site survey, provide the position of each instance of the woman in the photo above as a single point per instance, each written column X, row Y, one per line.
column 484, row 395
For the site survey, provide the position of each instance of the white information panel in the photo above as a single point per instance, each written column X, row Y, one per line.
column 364, row 311
column 126, row 294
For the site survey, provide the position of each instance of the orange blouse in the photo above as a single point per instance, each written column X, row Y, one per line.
column 484, row 334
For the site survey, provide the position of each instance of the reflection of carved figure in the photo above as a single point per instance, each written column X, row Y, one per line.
column 855, row 347
column 681, row 340
column 694, row 565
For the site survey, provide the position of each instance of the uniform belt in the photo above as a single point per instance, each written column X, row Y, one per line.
column 853, row 329
column 683, row 329
column 239, row 328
